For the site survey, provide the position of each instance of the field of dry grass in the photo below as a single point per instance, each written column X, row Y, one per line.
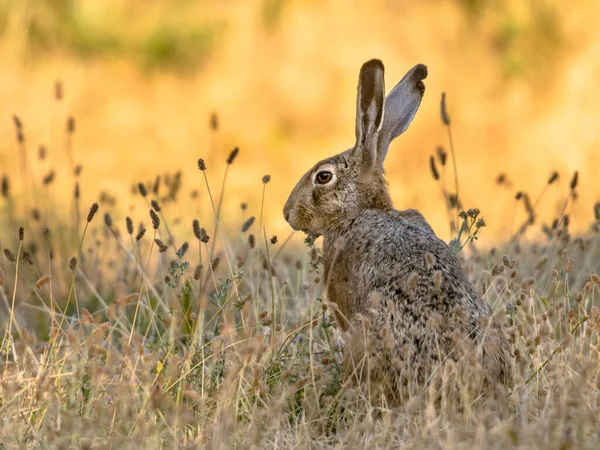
column 147, row 331
column 149, row 299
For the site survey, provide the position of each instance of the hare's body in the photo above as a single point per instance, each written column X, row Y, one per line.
column 388, row 274
column 397, row 291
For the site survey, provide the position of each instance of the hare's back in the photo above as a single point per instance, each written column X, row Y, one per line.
column 401, row 257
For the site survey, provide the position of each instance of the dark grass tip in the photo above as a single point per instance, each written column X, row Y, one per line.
column 5, row 186
column 247, row 224
column 183, row 250
column 9, row 255
column 196, row 229
column 93, row 211
column 17, row 122
column 140, row 234
column 27, row 257
column 21, row 233
column 443, row 110
column 198, row 272
column 142, row 189
column 48, row 178
column 433, row 168
column 129, row 225
column 155, row 205
column 214, row 122
column 73, row 263
column 204, row 237
column 553, row 178
column 574, row 180
column 155, row 219
column 201, row 164
column 442, row 155
column 233, row 155
column 161, row 246
column 71, row 125
column 266, row 179
column 108, row 220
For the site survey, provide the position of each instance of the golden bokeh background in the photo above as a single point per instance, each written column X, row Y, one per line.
column 142, row 78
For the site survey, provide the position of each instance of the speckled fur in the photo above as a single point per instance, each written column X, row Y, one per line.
column 396, row 290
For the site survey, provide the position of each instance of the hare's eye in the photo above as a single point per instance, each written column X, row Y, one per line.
column 324, row 177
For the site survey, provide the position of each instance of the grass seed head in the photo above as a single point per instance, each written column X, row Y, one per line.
column 183, row 249
column 161, row 246
column 574, row 180
column 214, row 121
column 9, row 255
column 21, row 233
column 155, row 219
column 73, row 263
column 266, row 179
column 140, row 233
column 434, row 171
column 108, row 220
column 553, row 178
column 48, row 178
column 5, row 186
column 204, row 237
column 247, row 224
column 198, row 272
column 155, row 205
column 444, row 111
column 201, row 165
column 71, row 125
column 93, row 211
column 129, row 225
column 233, row 155
column 42, row 281
column 142, row 189
column 442, row 155
column 196, row 229
column 27, row 257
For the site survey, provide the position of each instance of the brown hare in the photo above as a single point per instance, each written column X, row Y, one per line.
column 407, row 310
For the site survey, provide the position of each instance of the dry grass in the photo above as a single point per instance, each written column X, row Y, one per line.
column 127, row 325
column 151, row 334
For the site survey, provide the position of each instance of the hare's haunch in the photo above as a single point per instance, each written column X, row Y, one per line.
column 397, row 291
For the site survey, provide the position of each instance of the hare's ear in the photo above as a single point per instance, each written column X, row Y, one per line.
column 401, row 105
column 369, row 108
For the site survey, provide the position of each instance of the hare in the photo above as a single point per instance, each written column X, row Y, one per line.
column 397, row 291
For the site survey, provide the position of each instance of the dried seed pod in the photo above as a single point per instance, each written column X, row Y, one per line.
column 233, row 155
column 93, row 211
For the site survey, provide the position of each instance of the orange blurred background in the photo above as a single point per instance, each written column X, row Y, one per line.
column 142, row 78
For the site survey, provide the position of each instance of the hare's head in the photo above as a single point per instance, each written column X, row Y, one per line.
column 338, row 188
